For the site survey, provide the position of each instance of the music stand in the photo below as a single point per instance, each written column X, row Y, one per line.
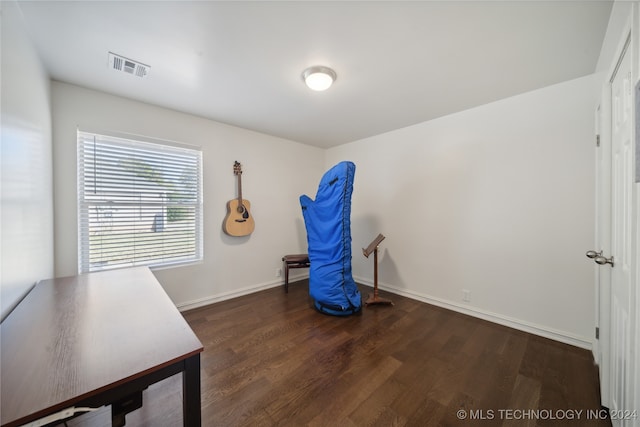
column 373, row 247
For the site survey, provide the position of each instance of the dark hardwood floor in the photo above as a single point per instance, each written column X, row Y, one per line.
column 271, row 359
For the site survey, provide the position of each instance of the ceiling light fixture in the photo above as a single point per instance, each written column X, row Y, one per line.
column 318, row 77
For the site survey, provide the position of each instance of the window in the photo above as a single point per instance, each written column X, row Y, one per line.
column 139, row 203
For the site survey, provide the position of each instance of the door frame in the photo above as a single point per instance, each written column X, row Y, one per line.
column 602, row 276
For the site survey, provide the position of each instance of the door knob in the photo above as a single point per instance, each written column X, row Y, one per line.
column 603, row 260
column 593, row 254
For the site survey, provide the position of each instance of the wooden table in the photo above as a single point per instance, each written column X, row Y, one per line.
column 95, row 340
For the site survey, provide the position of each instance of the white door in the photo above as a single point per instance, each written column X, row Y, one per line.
column 622, row 95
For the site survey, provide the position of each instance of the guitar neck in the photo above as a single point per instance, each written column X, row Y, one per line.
column 239, row 189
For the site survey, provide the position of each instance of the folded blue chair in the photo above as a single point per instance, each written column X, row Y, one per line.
column 328, row 223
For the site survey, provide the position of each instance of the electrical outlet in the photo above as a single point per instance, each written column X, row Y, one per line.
column 278, row 272
column 466, row 295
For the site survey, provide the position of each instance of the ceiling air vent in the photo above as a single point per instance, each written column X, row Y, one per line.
column 126, row 65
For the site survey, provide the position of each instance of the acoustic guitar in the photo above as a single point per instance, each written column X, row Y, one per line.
column 239, row 221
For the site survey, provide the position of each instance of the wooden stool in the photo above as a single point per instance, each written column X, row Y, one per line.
column 293, row 261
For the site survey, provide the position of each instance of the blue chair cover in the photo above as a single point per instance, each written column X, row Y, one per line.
column 328, row 223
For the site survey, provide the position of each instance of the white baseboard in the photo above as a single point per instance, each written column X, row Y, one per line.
column 201, row 302
column 543, row 331
column 500, row 319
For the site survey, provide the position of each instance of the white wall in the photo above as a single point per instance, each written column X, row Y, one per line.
column 497, row 200
column 27, row 199
column 275, row 172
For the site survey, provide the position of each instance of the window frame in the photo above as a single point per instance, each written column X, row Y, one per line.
column 190, row 204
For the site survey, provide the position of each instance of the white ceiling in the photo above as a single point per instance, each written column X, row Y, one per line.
column 398, row 63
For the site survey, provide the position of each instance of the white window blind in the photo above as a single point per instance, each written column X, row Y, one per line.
column 139, row 203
